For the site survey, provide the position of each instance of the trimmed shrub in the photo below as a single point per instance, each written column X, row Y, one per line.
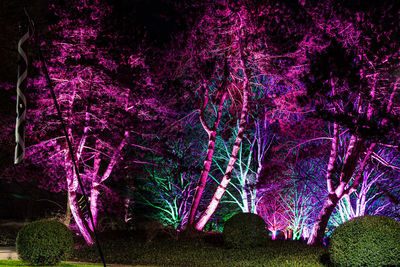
column 44, row 242
column 366, row 241
column 245, row 230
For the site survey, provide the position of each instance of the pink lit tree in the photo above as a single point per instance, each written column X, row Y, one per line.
column 274, row 211
column 112, row 90
column 236, row 53
column 369, row 198
column 354, row 84
column 96, row 110
column 225, row 45
column 212, row 133
column 232, row 31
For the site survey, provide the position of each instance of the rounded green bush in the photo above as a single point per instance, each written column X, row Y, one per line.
column 44, row 242
column 245, row 230
column 366, row 241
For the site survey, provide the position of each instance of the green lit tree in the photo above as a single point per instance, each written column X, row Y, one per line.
column 169, row 183
column 243, row 187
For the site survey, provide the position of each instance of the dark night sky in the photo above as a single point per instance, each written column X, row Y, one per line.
column 10, row 13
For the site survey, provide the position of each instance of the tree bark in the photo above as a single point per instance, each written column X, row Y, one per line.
column 94, row 192
column 354, row 150
column 95, row 189
column 79, row 218
column 67, row 216
column 73, row 185
column 235, row 150
column 94, row 196
column 228, row 173
column 203, row 177
column 212, row 133
column 321, row 222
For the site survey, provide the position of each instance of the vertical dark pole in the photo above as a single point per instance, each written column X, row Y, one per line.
column 71, row 151
column 21, row 86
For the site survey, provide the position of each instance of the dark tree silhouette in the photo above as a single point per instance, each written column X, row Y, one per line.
column 354, row 84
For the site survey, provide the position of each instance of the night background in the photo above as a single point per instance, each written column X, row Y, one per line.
column 182, row 114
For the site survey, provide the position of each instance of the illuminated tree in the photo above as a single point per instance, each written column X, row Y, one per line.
column 353, row 83
column 95, row 108
column 298, row 203
column 369, row 198
column 212, row 133
column 243, row 187
column 235, row 32
column 274, row 211
column 243, row 84
column 169, row 183
column 109, row 94
column 223, row 45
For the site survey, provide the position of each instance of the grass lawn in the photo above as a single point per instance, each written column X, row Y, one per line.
column 206, row 250
column 10, row 263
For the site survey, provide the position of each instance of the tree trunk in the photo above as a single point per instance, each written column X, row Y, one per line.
column 94, row 192
column 94, row 195
column 235, row 150
column 203, row 177
column 245, row 199
column 73, row 185
column 67, row 216
column 274, row 232
column 228, row 172
column 354, row 150
column 79, row 218
column 212, row 134
column 96, row 180
column 322, row 220
column 81, row 223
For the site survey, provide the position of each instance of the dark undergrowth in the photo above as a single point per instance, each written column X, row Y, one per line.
column 201, row 250
column 8, row 234
column 18, row 263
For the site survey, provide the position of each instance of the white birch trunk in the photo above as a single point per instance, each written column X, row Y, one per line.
column 231, row 164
